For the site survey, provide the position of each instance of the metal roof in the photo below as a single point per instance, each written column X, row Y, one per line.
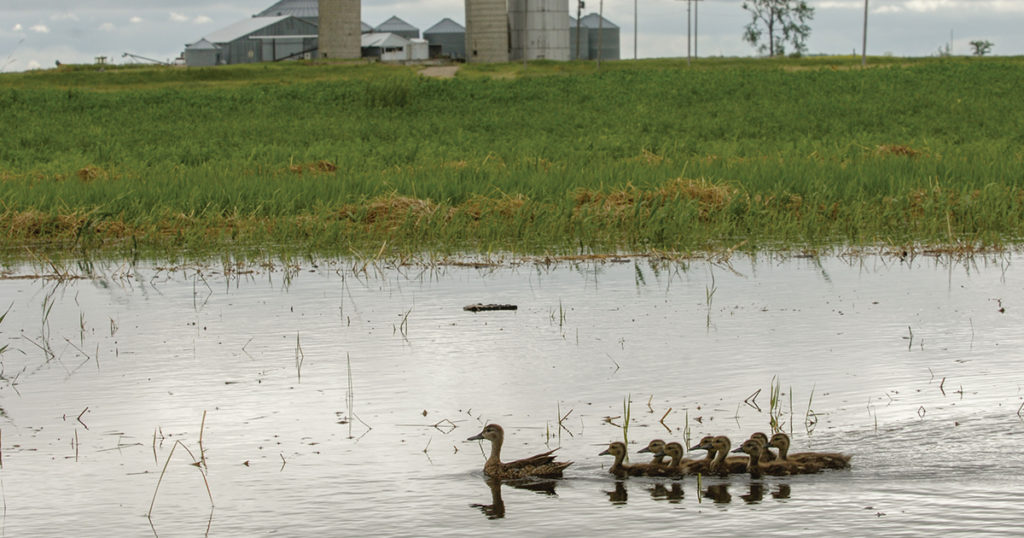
column 202, row 44
column 297, row 8
column 242, row 28
column 365, row 28
column 594, row 21
column 394, row 24
column 384, row 40
column 446, row 26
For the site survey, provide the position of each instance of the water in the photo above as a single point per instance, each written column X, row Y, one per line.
column 338, row 402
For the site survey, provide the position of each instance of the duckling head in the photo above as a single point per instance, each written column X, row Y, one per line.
column 752, row 447
column 721, row 444
column 491, row 432
column 657, row 446
column 780, row 441
column 704, row 444
column 616, row 449
column 674, row 450
column 761, row 437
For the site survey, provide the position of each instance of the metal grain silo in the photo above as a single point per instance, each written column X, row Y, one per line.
column 340, row 30
column 486, row 31
column 539, row 29
column 450, row 36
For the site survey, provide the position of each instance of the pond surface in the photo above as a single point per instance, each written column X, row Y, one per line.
column 337, row 400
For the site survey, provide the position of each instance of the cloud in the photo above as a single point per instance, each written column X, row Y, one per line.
column 39, row 29
column 107, row 27
column 135, row 20
column 178, row 17
column 202, row 19
column 32, row 64
column 17, row 28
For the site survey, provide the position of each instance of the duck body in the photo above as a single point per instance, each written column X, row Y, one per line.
column 657, row 448
column 718, row 459
column 766, row 453
column 623, row 470
column 682, row 466
column 825, row 460
column 757, row 468
column 542, row 465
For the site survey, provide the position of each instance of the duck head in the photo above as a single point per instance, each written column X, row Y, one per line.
column 491, row 432
column 655, row 447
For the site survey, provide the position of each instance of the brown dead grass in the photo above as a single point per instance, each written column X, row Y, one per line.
column 896, row 149
column 317, row 167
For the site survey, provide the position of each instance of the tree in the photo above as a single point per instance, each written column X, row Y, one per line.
column 981, row 48
column 778, row 22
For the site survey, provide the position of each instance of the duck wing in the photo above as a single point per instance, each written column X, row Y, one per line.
column 544, row 458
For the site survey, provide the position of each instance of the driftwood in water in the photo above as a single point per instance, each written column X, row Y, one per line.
column 479, row 307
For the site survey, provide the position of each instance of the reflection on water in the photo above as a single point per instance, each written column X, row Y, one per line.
column 619, row 495
column 718, row 493
column 330, row 378
column 673, row 493
column 496, row 510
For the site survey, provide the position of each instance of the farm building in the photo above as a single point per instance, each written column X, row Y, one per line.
column 307, row 10
column 397, row 26
column 257, row 39
column 584, row 41
column 601, row 33
column 450, row 36
column 388, row 47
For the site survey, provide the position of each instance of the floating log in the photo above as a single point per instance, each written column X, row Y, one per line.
column 480, row 307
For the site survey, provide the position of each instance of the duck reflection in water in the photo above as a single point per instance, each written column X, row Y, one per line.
column 719, row 493
column 755, row 495
column 496, row 510
column 782, row 492
column 672, row 494
column 618, row 496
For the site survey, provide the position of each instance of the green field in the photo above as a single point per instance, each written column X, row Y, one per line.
column 554, row 158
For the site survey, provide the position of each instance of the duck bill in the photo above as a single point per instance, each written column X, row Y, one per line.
column 736, row 450
column 698, row 447
column 604, row 452
column 476, row 437
column 643, row 450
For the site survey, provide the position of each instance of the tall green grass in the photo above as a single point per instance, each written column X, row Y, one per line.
column 558, row 158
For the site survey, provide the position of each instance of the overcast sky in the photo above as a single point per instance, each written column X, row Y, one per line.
column 35, row 33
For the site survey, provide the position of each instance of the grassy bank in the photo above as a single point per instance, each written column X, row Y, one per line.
column 639, row 156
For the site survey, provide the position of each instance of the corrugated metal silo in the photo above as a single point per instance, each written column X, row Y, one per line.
column 340, row 31
column 486, row 31
column 539, row 29
column 583, row 39
column 450, row 36
column 604, row 34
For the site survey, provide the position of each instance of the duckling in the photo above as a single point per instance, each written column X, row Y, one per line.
column 757, row 468
column 681, row 466
column 541, row 466
column 827, row 460
column 766, row 454
column 718, row 448
column 622, row 470
column 656, row 447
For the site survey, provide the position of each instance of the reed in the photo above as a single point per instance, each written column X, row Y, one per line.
column 626, row 405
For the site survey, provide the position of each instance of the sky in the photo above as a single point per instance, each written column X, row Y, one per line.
column 36, row 33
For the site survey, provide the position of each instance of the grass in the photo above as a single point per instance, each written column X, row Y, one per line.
column 644, row 156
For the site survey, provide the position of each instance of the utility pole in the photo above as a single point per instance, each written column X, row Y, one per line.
column 526, row 17
column 579, row 12
column 864, row 40
column 600, row 31
column 689, row 4
column 695, row 27
column 636, row 30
